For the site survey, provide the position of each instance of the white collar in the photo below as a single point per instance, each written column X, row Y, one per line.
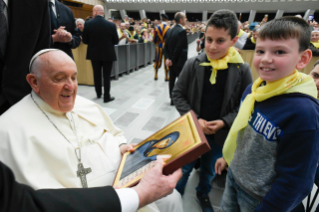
column 6, row 2
column 163, row 22
column 182, row 26
column 53, row 1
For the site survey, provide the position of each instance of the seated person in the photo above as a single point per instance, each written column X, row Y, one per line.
column 242, row 37
column 272, row 148
column 314, row 43
column 63, row 140
column 211, row 85
column 251, row 42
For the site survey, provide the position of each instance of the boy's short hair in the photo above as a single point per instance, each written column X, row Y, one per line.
column 226, row 19
column 316, row 63
column 285, row 28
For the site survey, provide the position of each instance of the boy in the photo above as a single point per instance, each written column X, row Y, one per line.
column 211, row 85
column 272, row 147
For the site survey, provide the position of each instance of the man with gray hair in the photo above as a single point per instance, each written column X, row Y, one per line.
column 242, row 37
column 100, row 36
column 67, row 141
column 80, row 25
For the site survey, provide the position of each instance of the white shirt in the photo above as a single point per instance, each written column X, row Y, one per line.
column 6, row 10
column 53, row 7
column 41, row 157
column 123, row 41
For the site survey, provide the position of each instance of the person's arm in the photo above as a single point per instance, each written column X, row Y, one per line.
column 180, row 91
column 246, row 80
column 16, row 197
column 296, row 164
column 85, row 35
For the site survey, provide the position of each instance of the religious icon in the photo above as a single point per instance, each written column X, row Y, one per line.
column 178, row 144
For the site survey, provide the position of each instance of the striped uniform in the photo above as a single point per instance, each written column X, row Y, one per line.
column 160, row 33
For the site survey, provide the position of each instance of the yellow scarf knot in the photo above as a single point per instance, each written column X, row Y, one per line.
column 295, row 83
column 240, row 33
column 316, row 44
column 253, row 40
column 232, row 56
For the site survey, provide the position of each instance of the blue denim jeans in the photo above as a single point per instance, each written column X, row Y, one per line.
column 207, row 169
column 234, row 199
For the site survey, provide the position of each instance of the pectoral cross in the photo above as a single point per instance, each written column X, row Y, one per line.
column 81, row 173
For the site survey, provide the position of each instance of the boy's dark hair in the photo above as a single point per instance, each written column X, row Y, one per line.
column 316, row 63
column 285, row 28
column 226, row 19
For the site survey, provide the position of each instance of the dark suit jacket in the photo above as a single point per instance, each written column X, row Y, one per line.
column 26, row 37
column 176, row 46
column 187, row 93
column 65, row 18
column 249, row 45
column 100, row 35
column 315, row 51
column 15, row 197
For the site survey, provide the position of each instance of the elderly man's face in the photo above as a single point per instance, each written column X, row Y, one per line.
column 58, row 85
column 127, row 25
column 122, row 26
column 80, row 25
column 315, row 37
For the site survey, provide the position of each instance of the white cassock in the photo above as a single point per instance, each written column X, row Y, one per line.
column 41, row 157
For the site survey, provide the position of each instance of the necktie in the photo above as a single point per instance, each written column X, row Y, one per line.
column 52, row 15
column 3, row 29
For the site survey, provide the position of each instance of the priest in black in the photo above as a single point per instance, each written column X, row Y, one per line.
column 100, row 35
column 20, row 39
column 63, row 29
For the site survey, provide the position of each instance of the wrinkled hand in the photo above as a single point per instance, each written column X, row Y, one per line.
column 204, row 126
column 61, row 35
column 220, row 165
column 154, row 185
column 216, row 125
column 168, row 62
column 126, row 147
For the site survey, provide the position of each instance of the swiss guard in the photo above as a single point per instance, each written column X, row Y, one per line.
column 160, row 33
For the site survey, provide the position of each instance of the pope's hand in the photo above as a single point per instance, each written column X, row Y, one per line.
column 154, row 185
column 126, row 147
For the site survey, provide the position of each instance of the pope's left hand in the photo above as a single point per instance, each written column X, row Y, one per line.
column 126, row 147
column 215, row 125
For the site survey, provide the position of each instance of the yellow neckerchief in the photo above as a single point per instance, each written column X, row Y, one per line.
column 316, row 44
column 232, row 56
column 120, row 31
column 295, row 83
column 145, row 25
column 240, row 33
column 132, row 36
column 253, row 40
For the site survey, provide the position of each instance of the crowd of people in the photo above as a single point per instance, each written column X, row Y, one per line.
column 52, row 139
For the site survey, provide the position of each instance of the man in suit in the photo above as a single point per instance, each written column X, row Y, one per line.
column 176, row 48
column 16, row 197
column 63, row 28
column 20, row 39
column 100, row 35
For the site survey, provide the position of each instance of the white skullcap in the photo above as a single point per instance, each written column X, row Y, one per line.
column 40, row 53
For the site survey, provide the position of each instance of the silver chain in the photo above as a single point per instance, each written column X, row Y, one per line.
column 74, row 130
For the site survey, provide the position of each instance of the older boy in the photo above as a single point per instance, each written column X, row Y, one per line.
column 272, row 147
column 211, row 85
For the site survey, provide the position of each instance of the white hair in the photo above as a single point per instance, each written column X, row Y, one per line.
column 79, row 19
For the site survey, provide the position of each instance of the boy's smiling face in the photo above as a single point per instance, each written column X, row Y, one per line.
column 217, row 42
column 277, row 59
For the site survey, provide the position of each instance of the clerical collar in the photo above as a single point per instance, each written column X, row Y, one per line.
column 45, row 106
